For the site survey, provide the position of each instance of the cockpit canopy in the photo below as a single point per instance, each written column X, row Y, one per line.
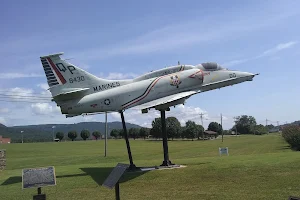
column 210, row 66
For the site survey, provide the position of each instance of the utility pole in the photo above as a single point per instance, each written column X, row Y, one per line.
column 235, row 127
column 53, row 127
column 267, row 125
column 222, row 127
column 105, row 148
column 22, row 135
column 278, row 123
column 201, row 117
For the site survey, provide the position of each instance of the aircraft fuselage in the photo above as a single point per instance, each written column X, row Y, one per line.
column 136, row 93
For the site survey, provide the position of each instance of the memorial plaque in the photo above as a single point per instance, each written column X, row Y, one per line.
column 223, row 151
column 293, row 198
column 115, row 175
column 38, row 177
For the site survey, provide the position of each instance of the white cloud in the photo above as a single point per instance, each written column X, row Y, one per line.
column 2, row 120
column 18, row 93
column 43, row 109
column 268, row 52
column 43, row 86
column 279, row 47
column 19, row 75
column 118, row 76
column 185, row 34
column 121, row 75
column 234, row 62
column 4, row 110
column 24, row 95
column 181, row 112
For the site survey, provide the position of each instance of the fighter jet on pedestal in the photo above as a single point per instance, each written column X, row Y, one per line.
column 77, row 92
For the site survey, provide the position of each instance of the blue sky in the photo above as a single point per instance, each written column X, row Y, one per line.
column 119, row 39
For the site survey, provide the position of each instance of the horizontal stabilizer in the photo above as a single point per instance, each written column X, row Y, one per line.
column 68, row 95
column 167, row 101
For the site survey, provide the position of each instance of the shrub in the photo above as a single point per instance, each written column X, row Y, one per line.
column 60, row 135
column 291, row 134
column 85, row 134
column 72, row 135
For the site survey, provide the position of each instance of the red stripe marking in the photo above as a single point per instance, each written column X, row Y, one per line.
column 147, row 92
column 62, row 79
column 193, row 75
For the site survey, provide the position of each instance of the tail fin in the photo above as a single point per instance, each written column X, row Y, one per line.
column 64, row 78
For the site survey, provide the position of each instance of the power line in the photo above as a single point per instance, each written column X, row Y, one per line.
column 23, row 101
column 25, row 96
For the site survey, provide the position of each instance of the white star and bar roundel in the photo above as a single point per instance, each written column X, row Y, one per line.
column 107, row 102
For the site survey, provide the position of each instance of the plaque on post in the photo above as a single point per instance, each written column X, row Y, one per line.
column 293, row 198
column 223, row 151
column 113, row 178
column 37, row 178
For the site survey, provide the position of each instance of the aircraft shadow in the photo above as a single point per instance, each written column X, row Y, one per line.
column 170, row 140
column 12, row 180
column 98, row 174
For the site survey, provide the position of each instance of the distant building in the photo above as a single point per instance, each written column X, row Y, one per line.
column 4, row 140
column 210, row 134
column 274, row 130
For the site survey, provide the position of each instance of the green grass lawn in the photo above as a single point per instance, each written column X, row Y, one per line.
column 258, row 167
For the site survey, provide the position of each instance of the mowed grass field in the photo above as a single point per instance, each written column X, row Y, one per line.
column 258, row 167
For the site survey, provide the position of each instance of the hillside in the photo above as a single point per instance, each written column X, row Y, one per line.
column 43, row 132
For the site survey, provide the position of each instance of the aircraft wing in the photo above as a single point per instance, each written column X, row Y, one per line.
column 167, row 101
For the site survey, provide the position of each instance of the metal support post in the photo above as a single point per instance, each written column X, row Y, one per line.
column 166, row 161
column 117, row 191
column 132, row 166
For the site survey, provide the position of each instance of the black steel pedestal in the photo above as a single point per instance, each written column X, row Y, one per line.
column 166, row 161
column 132, row 166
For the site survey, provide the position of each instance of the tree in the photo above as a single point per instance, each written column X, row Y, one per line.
column 85, row 134
column 215, row 126
column 190, row 130
column 173, row 126
column 96, row 134
column 220, row 129
column 121, row 133
column 133, row 133
column 114, row 133
column 182, row 132
column 245, row 124
column 144, row 132
column 72, row 135
column 156, row 128
column 270, row 126
column 60, row 135
column 200, row 131
column 260, row 130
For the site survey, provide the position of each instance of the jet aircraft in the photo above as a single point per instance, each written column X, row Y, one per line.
column 78, row 92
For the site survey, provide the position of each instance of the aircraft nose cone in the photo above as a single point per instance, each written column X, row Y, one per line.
column 247, row 75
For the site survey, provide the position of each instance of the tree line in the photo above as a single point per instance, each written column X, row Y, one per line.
column 243, row 125
column 191, row 130
column 85, row 134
